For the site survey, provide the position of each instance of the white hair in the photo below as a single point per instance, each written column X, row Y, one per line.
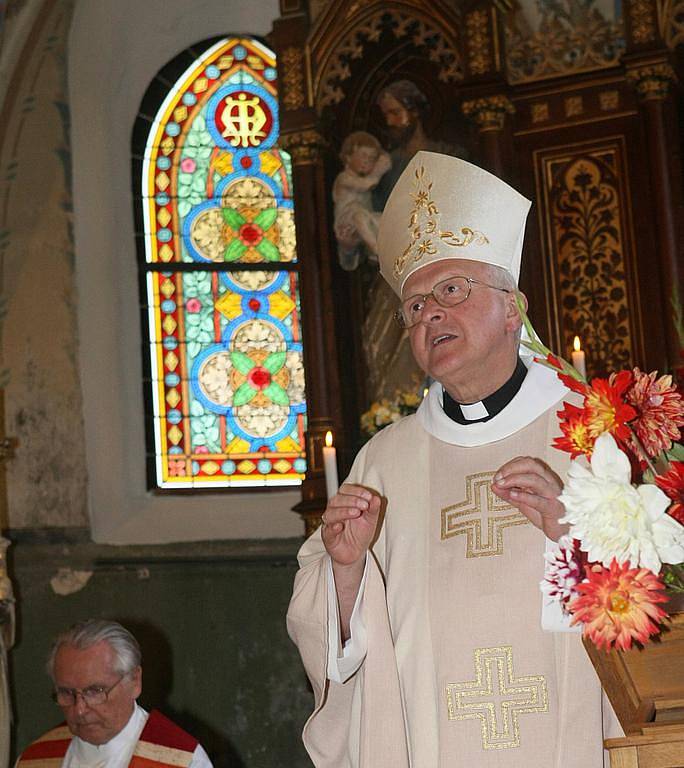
column 85, row 634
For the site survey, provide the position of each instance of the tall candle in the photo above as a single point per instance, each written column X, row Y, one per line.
column 330, row 465
column 578, row 360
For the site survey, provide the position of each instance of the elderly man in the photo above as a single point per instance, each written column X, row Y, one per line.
column 95, row 668
column 417, row 608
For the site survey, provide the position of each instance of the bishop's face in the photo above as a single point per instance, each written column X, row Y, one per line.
column 471, row 349
column 80, row 669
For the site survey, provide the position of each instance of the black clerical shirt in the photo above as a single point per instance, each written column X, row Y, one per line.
column 474, row 413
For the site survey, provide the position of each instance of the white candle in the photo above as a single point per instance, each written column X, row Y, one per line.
column 330, row 465
column 578, row 360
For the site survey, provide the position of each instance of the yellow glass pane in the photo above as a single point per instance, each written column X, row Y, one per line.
column 166, row 252
column 175, row 435
column 173, row 398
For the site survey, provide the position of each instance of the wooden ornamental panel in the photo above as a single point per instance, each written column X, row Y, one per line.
column 588, row 246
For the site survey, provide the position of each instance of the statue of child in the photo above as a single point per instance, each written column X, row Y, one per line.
column 356, row 223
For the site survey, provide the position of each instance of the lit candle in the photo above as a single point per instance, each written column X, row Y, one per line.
column 578, row 358
column 330, row 465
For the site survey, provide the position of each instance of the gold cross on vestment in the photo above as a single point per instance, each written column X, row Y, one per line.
column 480, row 512
column 497, row 698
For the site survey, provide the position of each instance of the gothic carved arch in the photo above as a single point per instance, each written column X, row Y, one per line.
column 341, row 39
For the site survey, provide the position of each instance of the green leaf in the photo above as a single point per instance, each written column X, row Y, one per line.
column 266, row 218
column 274, row 362
column 277, row 394
column 241, row 362
column 232, row 218
column 676, row 452
column 194, row 348
column 269, row 251
column 196, row 408
column 234, row 251
column 243, row 395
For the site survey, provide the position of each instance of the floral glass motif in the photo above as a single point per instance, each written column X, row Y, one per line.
column 225, row 340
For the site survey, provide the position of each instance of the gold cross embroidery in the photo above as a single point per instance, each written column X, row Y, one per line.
column 497, row 698
column 477, row 513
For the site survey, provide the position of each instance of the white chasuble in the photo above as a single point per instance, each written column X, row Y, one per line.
column 457, row 671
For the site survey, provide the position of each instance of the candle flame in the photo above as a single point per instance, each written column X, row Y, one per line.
column 328, row 439
column 425, row 392
column 576, row 344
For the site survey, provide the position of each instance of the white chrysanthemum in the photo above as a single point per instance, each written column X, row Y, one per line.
column 614, row 519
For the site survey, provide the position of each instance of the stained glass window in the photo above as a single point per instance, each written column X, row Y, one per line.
column 226, row 376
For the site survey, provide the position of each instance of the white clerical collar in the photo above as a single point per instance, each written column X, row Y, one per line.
column 474, row 411
column 540, row 390
column 90, row 755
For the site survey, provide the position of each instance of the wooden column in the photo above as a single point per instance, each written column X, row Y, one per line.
column 300, row 137
column 489, row 114
column 320, row 354
column 652, row 81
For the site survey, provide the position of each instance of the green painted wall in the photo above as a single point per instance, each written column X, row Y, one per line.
column 211, row 622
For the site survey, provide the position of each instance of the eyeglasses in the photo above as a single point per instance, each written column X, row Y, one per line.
column 93, row 695
column 447, row 293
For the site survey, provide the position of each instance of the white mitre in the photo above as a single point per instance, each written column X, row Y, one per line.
column 445, row 208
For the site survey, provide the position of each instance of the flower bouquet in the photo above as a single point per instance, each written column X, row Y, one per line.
column 623, row 557
column 386, row 411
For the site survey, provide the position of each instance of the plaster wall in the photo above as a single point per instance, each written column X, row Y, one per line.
column 46, row 480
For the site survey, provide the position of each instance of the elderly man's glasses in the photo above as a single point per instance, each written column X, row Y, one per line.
column 93, row 695
column 447, row 293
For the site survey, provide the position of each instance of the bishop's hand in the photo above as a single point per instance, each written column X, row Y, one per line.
column 348, row 529
column 349, row 524
column 532, row 487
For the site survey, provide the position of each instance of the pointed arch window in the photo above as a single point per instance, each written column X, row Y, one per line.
column 224, row 385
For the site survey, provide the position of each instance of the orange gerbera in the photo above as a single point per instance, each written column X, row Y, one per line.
column 672, row 483
column 576, row 439
column 660, row 411
column 618, row 605
column 606, row 410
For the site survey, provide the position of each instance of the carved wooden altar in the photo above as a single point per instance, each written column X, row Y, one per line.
column 582, row 119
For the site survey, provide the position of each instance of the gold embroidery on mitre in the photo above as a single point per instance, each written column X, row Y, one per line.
column 480, row 511
column 497, row 698
column 424, row 223
column 468, row 236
